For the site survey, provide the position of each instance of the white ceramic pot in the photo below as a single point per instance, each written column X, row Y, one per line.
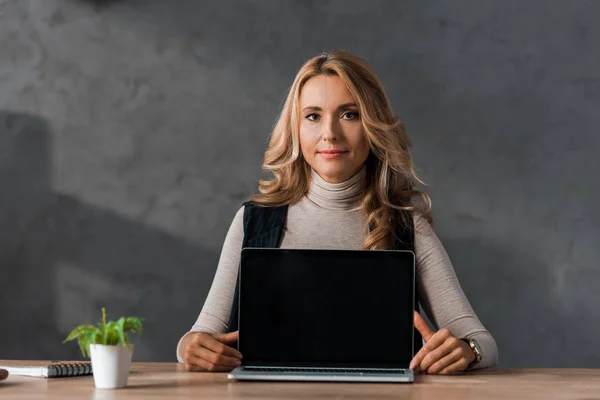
column 110, row 365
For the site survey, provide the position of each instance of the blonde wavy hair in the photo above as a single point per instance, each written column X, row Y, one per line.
column 390, row 193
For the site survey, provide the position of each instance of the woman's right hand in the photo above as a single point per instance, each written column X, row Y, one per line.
column 212, row 353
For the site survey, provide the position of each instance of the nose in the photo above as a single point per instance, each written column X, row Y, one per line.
column 331, row 130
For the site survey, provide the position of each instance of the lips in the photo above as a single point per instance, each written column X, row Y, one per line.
column 332, row 153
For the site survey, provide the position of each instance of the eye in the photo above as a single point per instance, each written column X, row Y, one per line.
column 313, row 117
column 350, row 115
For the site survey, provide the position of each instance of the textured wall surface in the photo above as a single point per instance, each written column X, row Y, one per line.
column 131, row 131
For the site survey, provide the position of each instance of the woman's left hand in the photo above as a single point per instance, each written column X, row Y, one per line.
column 442, row 353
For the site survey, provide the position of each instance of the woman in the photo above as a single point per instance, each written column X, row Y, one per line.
column 340, row 164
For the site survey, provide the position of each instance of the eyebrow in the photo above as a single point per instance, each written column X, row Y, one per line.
column 340, row 107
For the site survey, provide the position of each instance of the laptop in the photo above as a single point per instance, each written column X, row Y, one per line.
column 326, row 315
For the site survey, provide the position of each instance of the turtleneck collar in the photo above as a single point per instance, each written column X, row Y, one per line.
column 344, row 196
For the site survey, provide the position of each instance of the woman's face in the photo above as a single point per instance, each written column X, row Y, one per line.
column 332, row 138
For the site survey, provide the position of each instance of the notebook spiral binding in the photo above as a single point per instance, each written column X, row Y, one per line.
column 69, row 369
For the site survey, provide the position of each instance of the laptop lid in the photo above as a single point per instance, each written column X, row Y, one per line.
column 326, row 308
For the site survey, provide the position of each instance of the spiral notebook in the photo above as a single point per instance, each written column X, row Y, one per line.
column 50, row 369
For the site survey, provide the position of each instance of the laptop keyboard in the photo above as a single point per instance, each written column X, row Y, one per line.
column 326, row 370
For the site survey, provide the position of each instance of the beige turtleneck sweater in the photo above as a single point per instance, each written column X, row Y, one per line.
column 330, row 217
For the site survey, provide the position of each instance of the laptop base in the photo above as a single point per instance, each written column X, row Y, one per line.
column 297, row 374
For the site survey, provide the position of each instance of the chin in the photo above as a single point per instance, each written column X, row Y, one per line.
column 333, row 175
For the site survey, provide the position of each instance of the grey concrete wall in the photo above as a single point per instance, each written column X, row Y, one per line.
column 131, row 130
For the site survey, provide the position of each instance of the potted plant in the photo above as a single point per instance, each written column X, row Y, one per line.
column 109, row 349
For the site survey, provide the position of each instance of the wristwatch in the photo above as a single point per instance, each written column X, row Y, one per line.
column 476, row 351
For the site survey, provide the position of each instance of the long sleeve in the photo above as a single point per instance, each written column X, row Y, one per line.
column 442, row 297
column 217, row 308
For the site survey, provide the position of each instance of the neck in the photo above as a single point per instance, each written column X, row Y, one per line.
column 342, row 196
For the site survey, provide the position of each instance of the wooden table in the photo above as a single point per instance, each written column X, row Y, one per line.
column 171, row 381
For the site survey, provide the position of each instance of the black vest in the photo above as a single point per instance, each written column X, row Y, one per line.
column 263, row 227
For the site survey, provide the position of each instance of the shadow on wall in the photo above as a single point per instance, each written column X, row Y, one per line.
column 61, row 260
column 101, row 4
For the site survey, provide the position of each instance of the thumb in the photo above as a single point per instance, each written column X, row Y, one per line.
column 227, row 338
column 422, row 327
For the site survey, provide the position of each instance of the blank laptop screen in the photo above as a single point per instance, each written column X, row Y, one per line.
column 326, row 308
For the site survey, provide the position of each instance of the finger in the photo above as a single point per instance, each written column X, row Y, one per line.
column 434, row 342
column 422, row 327
column 193, row 364
column 197, row 364
column 455, row 368
column 228, row 338
column 215, row 358
column 211, row 343
column 193, row 368
column 445, row 361
column 198, row 351
column 449, row 344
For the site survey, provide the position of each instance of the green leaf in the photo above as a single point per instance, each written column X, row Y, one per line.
column 133, row 324
column 112, row 333
column 84, row 335
column 104, row 323
column 120, row 329
column 80, row 331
